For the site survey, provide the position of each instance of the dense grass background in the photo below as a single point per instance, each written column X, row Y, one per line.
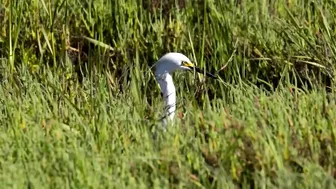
column 79, row 101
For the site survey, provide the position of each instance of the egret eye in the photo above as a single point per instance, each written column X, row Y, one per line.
column 187, row 64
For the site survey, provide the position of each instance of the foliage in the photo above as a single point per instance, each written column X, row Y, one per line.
column 79, row 100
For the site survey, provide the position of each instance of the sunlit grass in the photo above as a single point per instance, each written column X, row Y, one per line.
column 274, row 139
column 79, row 102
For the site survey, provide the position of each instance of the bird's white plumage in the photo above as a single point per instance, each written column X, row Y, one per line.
column 164, row 67
column 169, row 94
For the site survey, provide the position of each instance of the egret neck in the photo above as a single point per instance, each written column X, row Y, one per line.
column 168, row 91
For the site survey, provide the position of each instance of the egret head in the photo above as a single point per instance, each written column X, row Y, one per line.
column 173, row 61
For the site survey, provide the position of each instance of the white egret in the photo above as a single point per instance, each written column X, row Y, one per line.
column 164, row 67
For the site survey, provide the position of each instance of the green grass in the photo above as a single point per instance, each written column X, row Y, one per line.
column 79, row 101
column 52, row 139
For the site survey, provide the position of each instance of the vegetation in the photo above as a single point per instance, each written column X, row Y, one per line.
column 79, row 100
